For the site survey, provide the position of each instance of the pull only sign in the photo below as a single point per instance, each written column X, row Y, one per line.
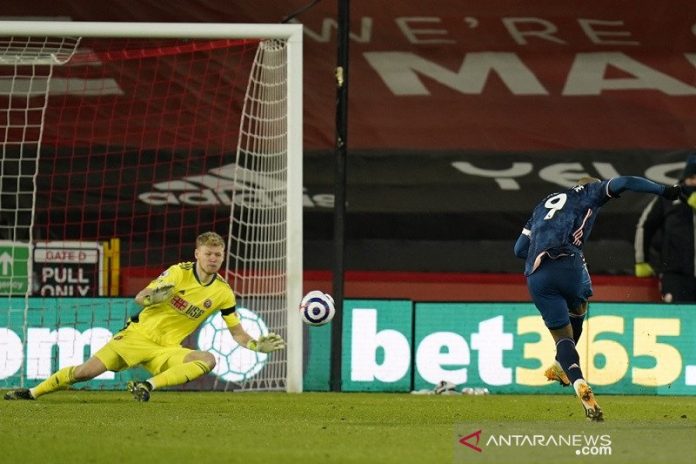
column 68, row 269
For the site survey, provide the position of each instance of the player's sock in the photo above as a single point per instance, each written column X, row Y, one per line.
column 58, row 381
column 179, row 374
column 576, row 323
column 568, row 357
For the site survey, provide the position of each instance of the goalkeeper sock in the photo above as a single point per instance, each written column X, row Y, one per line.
column 576, row 321
column 179, row 374
column 60, row 380
column 567, row 356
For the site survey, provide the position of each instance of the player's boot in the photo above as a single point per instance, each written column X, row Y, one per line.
column 140, row 390
column 19, row 394
column 587, row 398
column 555, row 373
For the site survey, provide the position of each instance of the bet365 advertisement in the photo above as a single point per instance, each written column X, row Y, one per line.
column 505, row 347
column 388, row 345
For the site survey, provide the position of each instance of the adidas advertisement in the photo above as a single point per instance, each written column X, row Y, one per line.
column 427, row 201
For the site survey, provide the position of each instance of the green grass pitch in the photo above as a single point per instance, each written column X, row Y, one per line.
column 278, row 428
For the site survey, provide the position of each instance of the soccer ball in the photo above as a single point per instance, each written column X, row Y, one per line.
column 317, row 308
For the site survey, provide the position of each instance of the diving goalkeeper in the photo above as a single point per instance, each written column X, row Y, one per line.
column 174, row 305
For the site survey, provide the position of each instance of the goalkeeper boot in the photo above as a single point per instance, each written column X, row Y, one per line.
column 140, row 390
column 592, row 410
column 555, row 373
column 19, row 394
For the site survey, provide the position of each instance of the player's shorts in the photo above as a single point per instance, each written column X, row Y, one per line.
column 129, row 348
column 558, row 286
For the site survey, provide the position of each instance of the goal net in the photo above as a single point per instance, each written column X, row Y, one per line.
column 121, row 142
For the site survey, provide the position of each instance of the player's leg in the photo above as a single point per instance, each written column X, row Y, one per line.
column 543, row 288
column 577, row 319
column 568, row 358
column 576, row 288
column 67, row 376
column 550, row 287
column 172, row 367
column 106, row 359
column 184, row 366
column 555, row 372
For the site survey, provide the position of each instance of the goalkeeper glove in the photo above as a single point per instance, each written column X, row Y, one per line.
column 158, row 295
column 644, row 270
column 266, row 343
column 692, row 200
column 672, row 192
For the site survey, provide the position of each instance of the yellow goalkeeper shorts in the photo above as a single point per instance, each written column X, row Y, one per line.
column 129, row 348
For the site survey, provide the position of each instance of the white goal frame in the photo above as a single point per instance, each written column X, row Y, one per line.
column 292, row 34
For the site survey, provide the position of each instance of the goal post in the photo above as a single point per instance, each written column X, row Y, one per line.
column 148, row 134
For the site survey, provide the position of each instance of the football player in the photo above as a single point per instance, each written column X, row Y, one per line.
column 174, row 305
column 551, row 243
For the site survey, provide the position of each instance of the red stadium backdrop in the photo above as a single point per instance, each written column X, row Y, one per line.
column 486, row 75
column 461, row 115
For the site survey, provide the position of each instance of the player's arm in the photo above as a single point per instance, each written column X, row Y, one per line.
column 149, row 296
column 264, row 344
column 521, row 248
column 618, row 185
column 160, row 289
column 522, row 244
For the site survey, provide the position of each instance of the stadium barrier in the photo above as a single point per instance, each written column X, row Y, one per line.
column 389, row 345
column 401, row 345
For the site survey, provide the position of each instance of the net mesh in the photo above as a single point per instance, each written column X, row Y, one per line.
column 116, row 154
column 258, row 254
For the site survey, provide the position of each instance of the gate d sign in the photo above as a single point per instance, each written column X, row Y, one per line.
column 14, row 270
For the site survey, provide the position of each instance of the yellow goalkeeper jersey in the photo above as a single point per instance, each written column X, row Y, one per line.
column 191, row 302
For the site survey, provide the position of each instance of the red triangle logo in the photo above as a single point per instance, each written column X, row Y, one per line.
column 465, row 441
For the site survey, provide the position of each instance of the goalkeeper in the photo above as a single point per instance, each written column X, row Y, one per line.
column 174, row 305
